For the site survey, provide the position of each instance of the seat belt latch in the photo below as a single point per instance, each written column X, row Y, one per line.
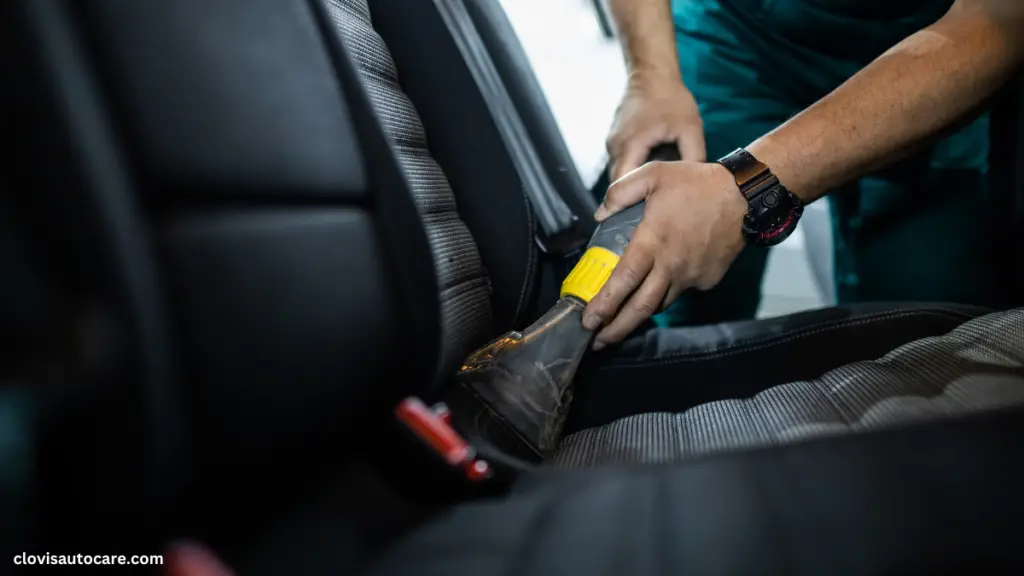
column 432, row 425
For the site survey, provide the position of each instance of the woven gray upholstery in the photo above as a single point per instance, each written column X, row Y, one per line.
column 978, row 366
column 465, row 291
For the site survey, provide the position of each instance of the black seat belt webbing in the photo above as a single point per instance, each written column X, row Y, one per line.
column 552, row 213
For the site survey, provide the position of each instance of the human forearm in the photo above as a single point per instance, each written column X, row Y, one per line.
column 656, row 107
column 647, row 36
column 901, row 101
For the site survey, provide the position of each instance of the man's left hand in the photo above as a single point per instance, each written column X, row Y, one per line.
column 689, row 236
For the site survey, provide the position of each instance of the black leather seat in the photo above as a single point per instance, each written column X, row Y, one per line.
column 941, row 499
column 284, row 227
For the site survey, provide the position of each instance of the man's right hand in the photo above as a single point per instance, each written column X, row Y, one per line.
column 655, row 110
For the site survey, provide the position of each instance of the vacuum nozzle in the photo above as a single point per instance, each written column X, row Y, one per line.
column 525, row 378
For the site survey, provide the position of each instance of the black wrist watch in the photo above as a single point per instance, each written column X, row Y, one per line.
column 772, row 211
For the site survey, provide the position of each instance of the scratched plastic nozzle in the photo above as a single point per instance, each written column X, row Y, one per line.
column 526, row 377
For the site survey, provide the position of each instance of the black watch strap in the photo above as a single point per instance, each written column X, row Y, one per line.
column 751, row 174
column 773, row 211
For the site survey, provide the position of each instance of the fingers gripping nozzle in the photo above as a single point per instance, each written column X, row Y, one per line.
column 609, row 242
column 524, row 379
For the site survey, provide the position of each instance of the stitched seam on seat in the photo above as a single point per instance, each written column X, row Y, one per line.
column 774, row 340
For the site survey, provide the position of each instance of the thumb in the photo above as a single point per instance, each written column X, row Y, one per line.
column 628, row 190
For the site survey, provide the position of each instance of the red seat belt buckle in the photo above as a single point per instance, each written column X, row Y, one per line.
column 432, row 425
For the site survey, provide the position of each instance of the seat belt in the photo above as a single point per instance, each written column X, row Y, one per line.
column 559, row 233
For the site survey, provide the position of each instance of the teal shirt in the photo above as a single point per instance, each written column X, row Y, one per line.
column 757, row 59
column 753, row 64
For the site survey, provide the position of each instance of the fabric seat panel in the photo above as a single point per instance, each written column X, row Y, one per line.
column 977, row 366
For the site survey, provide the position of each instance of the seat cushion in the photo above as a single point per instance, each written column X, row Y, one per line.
column 927, row 499
column 977, row 366
column 675, row 369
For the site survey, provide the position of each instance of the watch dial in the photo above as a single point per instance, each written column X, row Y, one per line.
column 772, row 216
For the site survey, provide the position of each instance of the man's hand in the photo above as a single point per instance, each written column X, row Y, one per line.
column 656, row 109
column 689, row 235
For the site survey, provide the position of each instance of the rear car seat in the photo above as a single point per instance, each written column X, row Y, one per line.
column 276, row 174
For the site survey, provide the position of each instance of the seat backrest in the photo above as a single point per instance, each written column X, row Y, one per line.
column 239, row 261
column 95, row 357
column 469, row 147
column 254, row 223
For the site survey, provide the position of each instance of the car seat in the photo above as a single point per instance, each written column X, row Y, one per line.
column 277, row 228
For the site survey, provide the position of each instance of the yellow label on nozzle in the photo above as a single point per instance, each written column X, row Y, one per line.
column 590, row 273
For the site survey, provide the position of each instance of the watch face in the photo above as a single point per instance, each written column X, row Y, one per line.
column 772, row 216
